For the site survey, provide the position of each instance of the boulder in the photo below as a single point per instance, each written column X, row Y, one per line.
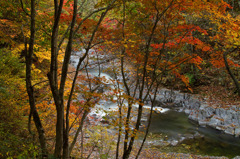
column 202, row 123
column 220, row 112
column 221, row 128
column 209, row 111
column 173, row 142
column 237, row 132
column 193, row 115
column 214, row 122
column 229, row 130
column 187, row 111
column 225, row 119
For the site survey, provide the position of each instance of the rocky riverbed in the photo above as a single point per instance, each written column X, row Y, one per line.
column 225, row 118
column 205, row 114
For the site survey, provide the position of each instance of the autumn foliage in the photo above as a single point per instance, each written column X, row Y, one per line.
column 173, row 43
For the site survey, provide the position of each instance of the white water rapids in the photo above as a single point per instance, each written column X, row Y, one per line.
column 104, row 106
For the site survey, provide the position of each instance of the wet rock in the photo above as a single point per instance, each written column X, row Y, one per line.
column 193, row 115
column 230, row 130
column 187, row 111
column 197, row 135
column 182, row 139
column 202, row 123
column 214, row 122
column 221, row 112
column 235, row 117
column 158, row 143
column 237, row 132
column 144, row 119
column 189, row 136
column 196, row 104
column 221, row 128
column 179, row 109
column 226, row 119
column 173, row 142
column 209, row 111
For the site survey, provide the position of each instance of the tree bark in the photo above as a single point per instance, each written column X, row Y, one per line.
column 63, row 81
column 231, row 73
column 62, row 128
column 159, row 15
column 76, row 74
column 149, row 121
column 29, row 86
column 53, row 80
column 140, row 108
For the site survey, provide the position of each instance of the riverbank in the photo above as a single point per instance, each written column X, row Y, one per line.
column 225, row 118
column 156, row 154
column 175, row 100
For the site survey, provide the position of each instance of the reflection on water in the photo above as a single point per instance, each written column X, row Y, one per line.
column 176, row 125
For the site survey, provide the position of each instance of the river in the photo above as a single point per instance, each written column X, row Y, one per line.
column 199, row 140
column 175, row 128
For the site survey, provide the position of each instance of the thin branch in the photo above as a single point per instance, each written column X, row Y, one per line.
column 24, row 8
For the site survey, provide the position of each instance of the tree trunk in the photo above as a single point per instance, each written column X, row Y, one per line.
column 63, row 81
column 52, row 75
column 230, row 73
column 64, row 70
column 30, row 89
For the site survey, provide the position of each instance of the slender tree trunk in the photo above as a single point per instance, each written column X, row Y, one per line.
column 120, row 101
column 78, row 131
column 149, row 121
column 76, row 74
column 159, row 15
column 62, row 129
column 59, row 132
column 53, row 80
column 231, row 73
column 63, row 81
column 30, row 89
column 140, row 108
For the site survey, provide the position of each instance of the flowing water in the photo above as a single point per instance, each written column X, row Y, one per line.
column 208, row 141
column 175, row 126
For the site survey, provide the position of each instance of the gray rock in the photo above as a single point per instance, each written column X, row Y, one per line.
column 182, row 138
column 235, row 118
column 159, row 143
column 193, row 115
column 237, row 132
column 227, row 120
column 173, row 142
column 189, row 136
column 179, row 109
column 144, row 119
column 187, row 111
column 202, row 123
column 209, row 111
column 238, row 116
column 198, row 135
column 220, row 112
column 201, row 116
column 229, row 130
column 214, row 122
column 221, row 128
column 205, row 115
column 197, row 104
